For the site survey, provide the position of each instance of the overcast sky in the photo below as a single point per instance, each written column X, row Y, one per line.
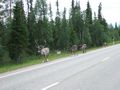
column 110, row 8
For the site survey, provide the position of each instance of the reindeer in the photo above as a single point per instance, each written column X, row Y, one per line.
column 83, row 47
column 43, row 51
column 73, row 49
column 104, row 44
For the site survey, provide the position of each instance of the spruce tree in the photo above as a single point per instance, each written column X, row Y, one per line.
column 31, row 25
column 74, row 23
column 88, row 14
column 104, row 24
column 43, row 34
column 1, row 44
column 57, row 27
column 99, row 12
column 51, row 27
column 78, row 23
column 88, row 24
column 19, row 35
column 64, row 33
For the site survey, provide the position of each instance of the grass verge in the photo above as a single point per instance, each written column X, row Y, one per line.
column 31, row 60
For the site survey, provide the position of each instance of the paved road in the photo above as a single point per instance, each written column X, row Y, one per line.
column 95, row 70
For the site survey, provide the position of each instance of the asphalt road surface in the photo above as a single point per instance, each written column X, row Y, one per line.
column 95, row 70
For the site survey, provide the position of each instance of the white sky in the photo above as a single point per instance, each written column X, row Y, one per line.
column 110, row 8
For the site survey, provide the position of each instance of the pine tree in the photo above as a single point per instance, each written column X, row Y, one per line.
column 1, row 44
column 72, row 14
column 41, row 9
column 31, row 25
column 57, row 27
column 99, row 12
column 78, row 23
column 99, row 36
column 87, row 36
column 73, row 36
column 43, row 34
column 7, row 6
column 103, row 23
column 19, row 35
column 88, row 24
column 51, row 27
column 74, row 23
column 88, row 14
column 64, row 33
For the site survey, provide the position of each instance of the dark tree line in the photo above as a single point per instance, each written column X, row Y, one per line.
column 19, row 32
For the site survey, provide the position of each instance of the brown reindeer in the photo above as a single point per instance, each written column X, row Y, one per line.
column 44, row 51
column 83, row 47
column 73, row 49
column 104, row 44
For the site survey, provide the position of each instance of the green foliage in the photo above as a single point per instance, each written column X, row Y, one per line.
column 88, row 24
column 99, row 12
column 88, row 19
column 1, row 32
column 1, row 37
column 73, row 38
column 78, row 22
column 41, row 9
column 1, row 54
column 98, row 35
column 87, row 37
column 57, row 31
column 31, row 24
column 63, row 40
column 51, row 27
column 19, row 35
column 43, row 32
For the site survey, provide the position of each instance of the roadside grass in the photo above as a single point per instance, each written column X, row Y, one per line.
column 32, row 60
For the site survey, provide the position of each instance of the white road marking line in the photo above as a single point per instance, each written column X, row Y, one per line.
column 12, row 74
column 54, row 84
column 105, row 59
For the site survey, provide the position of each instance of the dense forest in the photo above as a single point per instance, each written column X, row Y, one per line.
column 20, row 31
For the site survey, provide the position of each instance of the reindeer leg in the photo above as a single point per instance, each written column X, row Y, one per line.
column 43, row 59
column 83, row 51
column 47, row 59
column 73, row 53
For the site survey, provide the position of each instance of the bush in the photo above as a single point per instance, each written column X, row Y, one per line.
column 1, row 53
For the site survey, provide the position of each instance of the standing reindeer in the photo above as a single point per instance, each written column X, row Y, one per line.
column 43, row 51
column 73, row 49
column 104, row 44
column 83, row 47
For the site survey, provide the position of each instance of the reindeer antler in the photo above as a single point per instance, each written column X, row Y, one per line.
column 36, row 42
